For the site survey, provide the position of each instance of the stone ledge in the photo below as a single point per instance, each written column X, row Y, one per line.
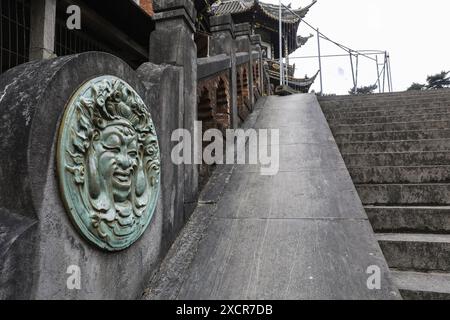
column 212, row 65
column 242, row 57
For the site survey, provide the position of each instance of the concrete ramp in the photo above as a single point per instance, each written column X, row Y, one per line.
column 301, row 234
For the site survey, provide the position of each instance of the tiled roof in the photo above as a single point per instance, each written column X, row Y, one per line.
column 224, row 7
column 232, row 6
column 301, row 82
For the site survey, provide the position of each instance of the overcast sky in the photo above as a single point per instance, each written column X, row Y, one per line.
column 414, row 32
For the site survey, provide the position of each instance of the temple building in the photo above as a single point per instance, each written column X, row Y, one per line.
column 264, row 21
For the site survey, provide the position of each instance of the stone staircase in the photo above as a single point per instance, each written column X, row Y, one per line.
column 397, row 149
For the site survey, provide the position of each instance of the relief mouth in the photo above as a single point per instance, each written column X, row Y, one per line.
column 122, row 177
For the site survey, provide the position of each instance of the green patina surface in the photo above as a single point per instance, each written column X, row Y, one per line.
column 108, row 163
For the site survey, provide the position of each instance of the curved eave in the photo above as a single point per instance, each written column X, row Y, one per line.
column 301, row 41
column 301, row 82
column 302, row 12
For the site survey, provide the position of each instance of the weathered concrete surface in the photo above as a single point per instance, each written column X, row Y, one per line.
column 42, row 33
column 164, row 87
column 209, row 66
column 301, row 234
column 172, row 42
column 417, row 285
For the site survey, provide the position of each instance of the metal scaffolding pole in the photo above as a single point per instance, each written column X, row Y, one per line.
column 390, row 73
column 280, row 40
column 320, row 61
column 378, row 75
column 353, row 72
column 384, row 73
column 286, row 54
column 357, row 70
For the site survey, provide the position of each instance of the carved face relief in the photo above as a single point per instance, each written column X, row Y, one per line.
column 108, row 163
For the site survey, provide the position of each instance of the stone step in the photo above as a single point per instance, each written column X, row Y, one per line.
column 415, row 174
column 388, row 96
column 384, row 112
column 395, row 126
column 380, row 102
column 384, row 102
column 395, row 146
column 397, row 159
column 329, row 109
column 392, row 119
column 404, row 194
column 422, row 286
column 389, row 219
column 393, row 135
column 389, row 101
column 416, row 252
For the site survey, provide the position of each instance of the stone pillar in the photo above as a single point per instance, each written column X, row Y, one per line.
column 222, row 42
column 243, row 44
column 256, row 46
column 164, row 85
column 172, row 42
column 42, row 35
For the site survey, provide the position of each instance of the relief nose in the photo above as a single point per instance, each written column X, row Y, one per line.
column 124, row 161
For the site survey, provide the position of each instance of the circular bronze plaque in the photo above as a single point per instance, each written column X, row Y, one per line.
column 108, row 163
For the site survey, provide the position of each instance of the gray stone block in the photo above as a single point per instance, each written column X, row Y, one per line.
column 394, row 135
column 396, row 126
column 419, row 252
column 241, row 58
column 399, row 174
column 398, row 159
column 393, row 118
column 422, row 219
column 172, row 42
column 164, row 84
column 38, row 241
column 209, row 66
column 404, row 194
column 422, row 286
column 395, row 146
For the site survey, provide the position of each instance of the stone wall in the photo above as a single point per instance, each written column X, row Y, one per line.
column 39, row 243
column 46, row 236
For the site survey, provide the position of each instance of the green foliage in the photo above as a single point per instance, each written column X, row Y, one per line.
column 416, row 86
column 364, row 90
column 439, row 80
